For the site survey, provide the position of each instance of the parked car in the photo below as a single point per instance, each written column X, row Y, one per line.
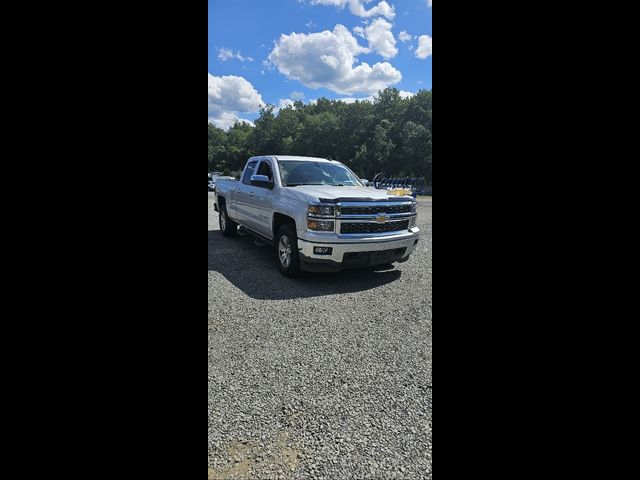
column 317, row 214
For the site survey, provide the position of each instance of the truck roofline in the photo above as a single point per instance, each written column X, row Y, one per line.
column 296, row 157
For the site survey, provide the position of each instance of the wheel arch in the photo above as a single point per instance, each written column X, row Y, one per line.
column 280, row 219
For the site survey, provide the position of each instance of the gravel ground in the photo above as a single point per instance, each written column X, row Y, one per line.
column 327, row 376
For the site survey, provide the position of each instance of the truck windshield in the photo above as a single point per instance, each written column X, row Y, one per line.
column 297, row 172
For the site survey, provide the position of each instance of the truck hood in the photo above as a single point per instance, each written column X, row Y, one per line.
column 329, row 192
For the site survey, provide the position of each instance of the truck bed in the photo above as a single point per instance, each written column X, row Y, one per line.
column 227, row 187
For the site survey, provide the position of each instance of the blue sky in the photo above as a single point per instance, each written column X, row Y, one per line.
column 330, row 48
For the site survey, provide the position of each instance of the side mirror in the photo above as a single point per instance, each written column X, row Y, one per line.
column 365, row 181
column 261, row 181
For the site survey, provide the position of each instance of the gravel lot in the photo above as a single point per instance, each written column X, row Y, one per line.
column 327, row 376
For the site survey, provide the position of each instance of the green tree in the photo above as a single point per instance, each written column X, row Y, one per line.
column 264, row 134
column 391, row 135
column 217, row 148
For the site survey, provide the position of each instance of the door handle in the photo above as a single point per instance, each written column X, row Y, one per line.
column 251, row 193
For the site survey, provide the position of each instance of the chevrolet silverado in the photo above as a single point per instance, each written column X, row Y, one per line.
column 317, row 213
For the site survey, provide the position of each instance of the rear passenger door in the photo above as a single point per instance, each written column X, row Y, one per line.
column 244, row 194
column 262, row 201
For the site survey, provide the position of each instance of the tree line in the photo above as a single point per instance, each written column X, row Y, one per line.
column 390, row 135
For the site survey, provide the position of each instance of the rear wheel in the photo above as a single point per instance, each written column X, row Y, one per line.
column 228, row 227
column 287, row 251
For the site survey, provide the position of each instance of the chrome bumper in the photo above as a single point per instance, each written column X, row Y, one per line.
column 336, row 259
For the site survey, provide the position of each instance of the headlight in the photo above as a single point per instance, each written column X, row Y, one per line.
column 323, row 210
column 320, row 225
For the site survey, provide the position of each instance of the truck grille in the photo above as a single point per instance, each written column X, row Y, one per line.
column 373, row 210
column 374, row 227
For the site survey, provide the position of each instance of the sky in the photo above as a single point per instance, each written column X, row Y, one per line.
column 279, row 51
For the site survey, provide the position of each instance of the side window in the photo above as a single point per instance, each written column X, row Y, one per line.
column 247, row 174
column 265, row 169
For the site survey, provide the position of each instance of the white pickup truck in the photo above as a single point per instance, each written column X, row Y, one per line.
column 317, row 213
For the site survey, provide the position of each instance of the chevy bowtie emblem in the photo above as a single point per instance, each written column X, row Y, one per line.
column 381, row 218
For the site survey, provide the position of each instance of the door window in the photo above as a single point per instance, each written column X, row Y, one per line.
column 265, row 169
column 247, row 174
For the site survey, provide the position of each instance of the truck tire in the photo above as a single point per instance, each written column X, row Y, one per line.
column 228, row 227
column 287, row 250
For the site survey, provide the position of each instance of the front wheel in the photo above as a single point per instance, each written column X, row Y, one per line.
column 287, row 251
column 228, row 227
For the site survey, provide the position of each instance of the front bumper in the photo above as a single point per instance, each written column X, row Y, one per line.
column 357, row 253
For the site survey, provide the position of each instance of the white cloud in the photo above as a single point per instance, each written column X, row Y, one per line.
column 429, row 2
column 243, row 59
column 336, row 3
column 424, row 47
column 372, row 98
column 267, row 64
column 285, row 102
column 224, row 120
column 230, row 96
column 225, row 54
column 326, row 59
column 296, row 95
column 357, row 7
column 353, row 100
column 379, row 36
column 404, row 36
column 382, row 8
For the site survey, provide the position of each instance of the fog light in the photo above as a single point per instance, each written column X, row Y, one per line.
column 322, row 250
